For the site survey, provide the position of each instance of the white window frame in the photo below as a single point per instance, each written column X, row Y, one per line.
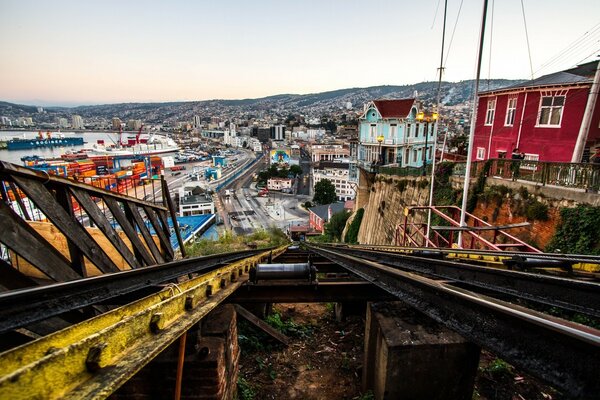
column 552, row 108
column 393, row 131
column 373, row 132
column 511, row 110
column 480, row 153
column 490, row 112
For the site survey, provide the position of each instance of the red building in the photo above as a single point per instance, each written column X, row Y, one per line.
column 541, row 118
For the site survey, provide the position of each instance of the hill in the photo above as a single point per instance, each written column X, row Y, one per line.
column 315, row 104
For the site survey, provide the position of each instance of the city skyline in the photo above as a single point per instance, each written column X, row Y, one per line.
column 69, row 53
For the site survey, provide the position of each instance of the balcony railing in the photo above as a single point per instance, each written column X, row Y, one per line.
column 584, row 176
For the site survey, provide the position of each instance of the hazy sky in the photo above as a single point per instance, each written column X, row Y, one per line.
column 104, row 51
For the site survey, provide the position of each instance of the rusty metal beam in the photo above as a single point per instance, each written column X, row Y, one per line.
column 94, row 358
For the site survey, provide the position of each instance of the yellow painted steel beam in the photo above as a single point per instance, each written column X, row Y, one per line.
column 486, row 258
column 95, row 357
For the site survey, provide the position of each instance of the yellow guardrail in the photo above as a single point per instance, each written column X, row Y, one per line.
column 95, row 357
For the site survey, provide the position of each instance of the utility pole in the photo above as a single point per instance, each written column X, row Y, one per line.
column 587, row 118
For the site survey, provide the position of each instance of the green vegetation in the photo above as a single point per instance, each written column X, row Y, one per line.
column 275, row 171
column 443, row 193
column 352, row 232
column 479, row 186
column 324, row 192
column 245, row 390
column 498, row 367
column 228, row 242
column 366, row 396
column 296, row 170
column 289, row 327
column 336, row 225
column 578, row 231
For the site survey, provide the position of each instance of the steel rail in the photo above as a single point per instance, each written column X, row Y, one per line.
column 575, row 295
column 94, row 358
column 19, row 308
column 564, row 354
column 574, row 258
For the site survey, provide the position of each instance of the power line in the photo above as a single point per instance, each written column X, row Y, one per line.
column 453, row 31
column 577, row 45
column 527, row 38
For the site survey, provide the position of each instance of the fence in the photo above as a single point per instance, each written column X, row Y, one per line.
column 585, row 176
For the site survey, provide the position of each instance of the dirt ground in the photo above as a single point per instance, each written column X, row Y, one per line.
column 324, row 362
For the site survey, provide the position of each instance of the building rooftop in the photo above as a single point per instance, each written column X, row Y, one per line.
column 394, row 108
column 322, row 211
column 583, row 73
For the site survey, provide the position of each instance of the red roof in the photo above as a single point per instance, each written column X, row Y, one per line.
column 394, row 108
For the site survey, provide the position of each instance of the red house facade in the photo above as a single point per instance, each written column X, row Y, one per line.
column 541, row 118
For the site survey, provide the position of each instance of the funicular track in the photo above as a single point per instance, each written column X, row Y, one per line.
column 472, row 301
column 127, row 315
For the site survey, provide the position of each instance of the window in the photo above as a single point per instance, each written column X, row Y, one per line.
column 511, row 107
column 393, row 131
column 480, row 153
column 415, row 155
column 407, row 132
column 551, row 107
column 489, row 114
column 373, row 131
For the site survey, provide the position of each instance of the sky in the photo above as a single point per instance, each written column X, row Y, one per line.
column 64, row 52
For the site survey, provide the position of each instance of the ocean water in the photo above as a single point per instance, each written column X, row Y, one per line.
column 89, row 138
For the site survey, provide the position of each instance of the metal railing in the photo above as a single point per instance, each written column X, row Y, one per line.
column 572, row 175
column 585, row 176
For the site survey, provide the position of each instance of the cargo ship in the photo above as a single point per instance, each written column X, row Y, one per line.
column 40, row 141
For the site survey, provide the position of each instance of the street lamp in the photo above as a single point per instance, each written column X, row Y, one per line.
column 380, row 139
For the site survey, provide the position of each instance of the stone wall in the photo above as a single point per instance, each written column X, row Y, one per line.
column 384, row 201
column 385, row 204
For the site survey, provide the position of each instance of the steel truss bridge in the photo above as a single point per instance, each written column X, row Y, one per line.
column 69, row 333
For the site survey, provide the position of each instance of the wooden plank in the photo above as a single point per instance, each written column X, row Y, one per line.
column 43, row 199
column 96, row 215
column 64, row 199
column 21, row 238
column 171, row 207
column 11, row 278
column 139, row 221
column 164, row 240
column 19, row 200
column 136, row 243
column 262, row 325
column 480, row 228
column 164, row 220
column 15, row 170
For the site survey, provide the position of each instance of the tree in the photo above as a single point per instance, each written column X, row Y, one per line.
column 336, row 225
column 296, row 170
column 324, row 192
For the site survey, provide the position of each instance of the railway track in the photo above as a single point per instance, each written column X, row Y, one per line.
column 562, row 353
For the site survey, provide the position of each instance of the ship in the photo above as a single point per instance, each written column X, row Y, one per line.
column 42, row 142
column 138, row 146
